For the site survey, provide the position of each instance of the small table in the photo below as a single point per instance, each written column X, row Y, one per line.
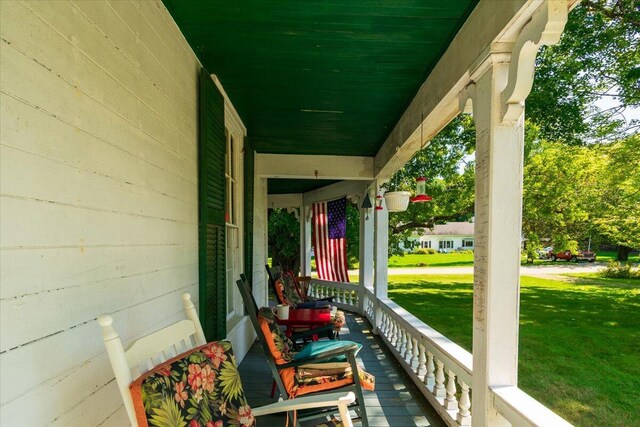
column 305, row 318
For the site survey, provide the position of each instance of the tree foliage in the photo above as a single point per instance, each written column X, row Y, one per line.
column 584, row 193
column 284, row 239
column 598, row 57
column 450, row 181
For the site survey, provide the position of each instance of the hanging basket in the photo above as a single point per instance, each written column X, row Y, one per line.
column 397, row 201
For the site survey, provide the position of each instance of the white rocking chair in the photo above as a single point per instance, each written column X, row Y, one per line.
column 154, row 349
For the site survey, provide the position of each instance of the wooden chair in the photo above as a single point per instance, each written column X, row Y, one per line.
column 276, row 274
column 304, row 334
column 152, row 351
column 347, row 352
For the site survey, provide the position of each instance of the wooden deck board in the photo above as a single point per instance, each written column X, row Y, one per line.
column 396, row 402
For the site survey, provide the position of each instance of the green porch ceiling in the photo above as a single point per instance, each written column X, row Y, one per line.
column 320, row 77
column 294, row 186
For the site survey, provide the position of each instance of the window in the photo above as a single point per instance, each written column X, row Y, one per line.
column 467, row 243
column 445, row 244
column 233, row 220
column 426, row 245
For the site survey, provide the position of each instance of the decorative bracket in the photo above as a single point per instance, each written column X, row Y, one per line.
column 466, row 97
column 544, row 28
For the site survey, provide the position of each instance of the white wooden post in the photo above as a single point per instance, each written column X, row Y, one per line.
column 365, row 256
column 381, row 256
column 305, row 241
column 498, row 210
column 502, row 82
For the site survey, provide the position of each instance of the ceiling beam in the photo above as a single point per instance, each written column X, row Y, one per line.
column 436, row 102
column 283, row 201
column 333, row 191
column 297, row 166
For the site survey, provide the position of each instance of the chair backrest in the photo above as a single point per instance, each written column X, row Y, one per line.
column 252, row 308
column 274, row 273
column 149, row 351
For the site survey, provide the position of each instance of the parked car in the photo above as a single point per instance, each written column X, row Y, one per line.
column 544, row 252
column 589, row 256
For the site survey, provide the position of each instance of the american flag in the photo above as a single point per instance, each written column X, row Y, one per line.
column 329, row 239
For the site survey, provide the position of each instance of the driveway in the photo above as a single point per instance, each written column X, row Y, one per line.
column 547, row 270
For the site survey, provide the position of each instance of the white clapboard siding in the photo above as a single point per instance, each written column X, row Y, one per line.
column 43, row 270
column 108, row 21
column 87, row 375
column 84, row 189
column 98, row 187
column 33, row 83
column 118, row 419
column 44, row 135
column 108, row 65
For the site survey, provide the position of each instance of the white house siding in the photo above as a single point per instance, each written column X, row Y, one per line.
column 435, row 241
column 99, row 197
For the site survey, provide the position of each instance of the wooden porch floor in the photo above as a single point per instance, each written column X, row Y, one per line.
column 396, row 402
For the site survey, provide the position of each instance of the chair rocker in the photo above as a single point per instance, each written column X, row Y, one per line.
column 180, row 352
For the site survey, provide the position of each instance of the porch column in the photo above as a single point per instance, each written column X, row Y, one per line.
column 498, row 210
column 381, row 256
column 365, row 260
column 502, row 82
column 305, row 241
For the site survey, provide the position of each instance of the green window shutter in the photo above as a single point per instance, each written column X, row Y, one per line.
column 211, row 208
column 249, row 162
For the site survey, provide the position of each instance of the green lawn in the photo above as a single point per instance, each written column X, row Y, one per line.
column 453, row 259
column 579, row 341
column 610, row 256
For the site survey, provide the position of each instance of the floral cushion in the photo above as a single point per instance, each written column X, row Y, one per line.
column 290, row 292
column 199, row 388
column 285, row 294
column 280, row 346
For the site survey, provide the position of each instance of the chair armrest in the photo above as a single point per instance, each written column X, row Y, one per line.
column 309, row 332
column 345, row 350
column 307, row 402
column 316, row 304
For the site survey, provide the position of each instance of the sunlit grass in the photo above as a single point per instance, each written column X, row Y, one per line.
column 579, row 340
column 453, row 259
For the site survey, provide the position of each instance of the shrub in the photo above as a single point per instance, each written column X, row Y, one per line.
column 424, row 251
column 618, row 270
column 464, row 251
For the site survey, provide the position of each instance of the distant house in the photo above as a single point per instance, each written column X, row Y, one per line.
column 448, row 237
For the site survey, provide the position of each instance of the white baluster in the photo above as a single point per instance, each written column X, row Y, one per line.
column 422, row 361
column 408, row 347
column 464, row 415
column 394, row 333
column 430, row 378
column 386, row 322
column 403, row 342
column 414, row 355
column 450, row 402
column 439, row 389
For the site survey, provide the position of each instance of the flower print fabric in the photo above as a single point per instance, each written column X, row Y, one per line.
column 199, row 388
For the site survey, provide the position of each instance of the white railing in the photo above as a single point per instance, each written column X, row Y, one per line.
column 440, row 368
column 345, row 295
